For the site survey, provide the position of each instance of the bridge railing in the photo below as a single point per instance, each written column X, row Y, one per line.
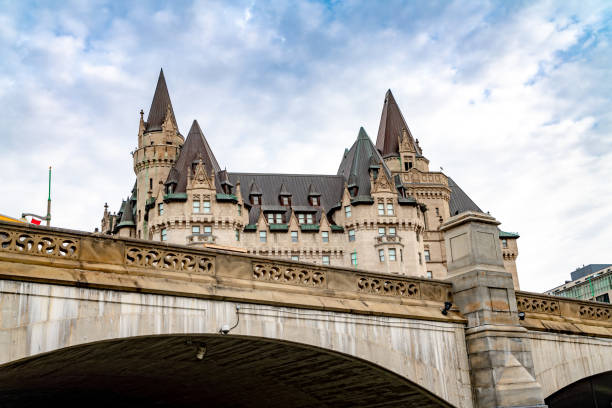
column 42, row 254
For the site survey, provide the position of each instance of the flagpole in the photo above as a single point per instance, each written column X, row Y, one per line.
column 49, row 201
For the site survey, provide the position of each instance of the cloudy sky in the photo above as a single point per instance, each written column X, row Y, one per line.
column 512, row 99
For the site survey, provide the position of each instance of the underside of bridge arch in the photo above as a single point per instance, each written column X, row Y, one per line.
column 233, row 371
column 590, row 392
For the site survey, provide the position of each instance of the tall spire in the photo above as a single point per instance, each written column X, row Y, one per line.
column 391, row 124
column 159, row 105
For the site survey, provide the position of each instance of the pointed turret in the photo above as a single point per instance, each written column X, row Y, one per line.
column 358, row 162
column 161, row 106
column 194, row 149
column 391, row 125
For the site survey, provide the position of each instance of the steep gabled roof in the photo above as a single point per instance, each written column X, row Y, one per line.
column 356, row 163
column 391, row 124
column 459, row 200
column 195, row 148
column 127, row 218
column 159, row 105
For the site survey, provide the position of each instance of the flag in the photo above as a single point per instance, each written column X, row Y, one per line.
column 35, row 221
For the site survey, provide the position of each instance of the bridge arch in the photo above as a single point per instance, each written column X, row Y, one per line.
column 214, row 369
column 40, row 318
column 591, row 392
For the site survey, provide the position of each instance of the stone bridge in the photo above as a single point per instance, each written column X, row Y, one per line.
column 89, row 319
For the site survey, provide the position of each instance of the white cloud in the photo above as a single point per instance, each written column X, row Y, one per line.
column 512, row 103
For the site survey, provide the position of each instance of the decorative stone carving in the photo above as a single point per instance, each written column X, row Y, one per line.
column 389, row 287
column 161, row 259
column 288, row 274
column 538, row 305
column 595, row 313
column 39, row 244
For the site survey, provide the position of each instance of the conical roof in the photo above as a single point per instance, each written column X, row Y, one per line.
column 356, row 164
column 159, row 105
column 127, row 218
column 313, row 191
column 283, row 190
column 254, row 189
column 195, row 148
column 391, row 124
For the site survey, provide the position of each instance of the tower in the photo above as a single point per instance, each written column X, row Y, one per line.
column 159, row 142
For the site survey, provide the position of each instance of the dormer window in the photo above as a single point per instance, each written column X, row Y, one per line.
column 255, row 199
column 275, row 218
column 353, row 189
column 284, row 200
column 170, row 188
column 314, row 201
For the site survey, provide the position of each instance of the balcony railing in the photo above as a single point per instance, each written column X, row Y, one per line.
column 388, row 239
column 195, row 239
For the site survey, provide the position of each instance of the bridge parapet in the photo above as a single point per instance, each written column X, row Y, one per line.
column 53, row 255
column 563, row 315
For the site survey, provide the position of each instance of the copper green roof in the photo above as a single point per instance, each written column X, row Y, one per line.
column 250, row 227
column 504, row 234
column 175, row 197
column 337, row 228
column 309, row 227
column 279, row 227
column 226, row 197
column 127, row 218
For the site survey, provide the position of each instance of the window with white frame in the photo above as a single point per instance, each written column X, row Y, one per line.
column 164, row 234
column 392, row 256
column 325, row 236
column 195, row 229
column 207, row 230
column 390, row 210
column 262, row 236
column 351, row 235
column 381, row 255
column 427, row 256
column 392, row 231
column 196, row 206
column 325, row 260
column 504, row 243
column 160, row 208
column 301, row 218
column 206, row 206
column 347, row 211
column 294, row 236
column 315, row 200
column 381, row 208
column 382, row 231
column 295, row 257
column 429, row 274
column 309, row 219
column 237, row 235
column 354, row 258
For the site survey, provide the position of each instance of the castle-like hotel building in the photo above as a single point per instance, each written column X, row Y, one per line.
column 380, row 212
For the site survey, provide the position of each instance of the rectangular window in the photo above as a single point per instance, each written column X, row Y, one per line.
column 295, row 258
column 195, row 229
column 351, row 235
column 325, row 236
column 301, row 218
column 279, row 218
column 239, row 209
column 382, row 231
column 309, row 219
column 504, row 243
column 255, row 200
column 381, row 209
column 325, row 260
column 206, row 207
column 207, row 230
column 160, row 208
column 196, row 206
column 294, row 236
column 381, row 255
column 427, row 257
column 262, row 236
column 270, row 218
column 315, row 200
column 392, row 231
column 392, row 254
column 390, row 209
column 429, row 274
column 285, row 200
column 347, row 211
column 354, row 258
column 164, row 235
column 237, row 235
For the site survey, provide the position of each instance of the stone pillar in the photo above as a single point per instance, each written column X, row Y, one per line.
column 501, row 363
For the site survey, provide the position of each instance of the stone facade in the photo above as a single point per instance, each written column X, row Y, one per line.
column 381, row 212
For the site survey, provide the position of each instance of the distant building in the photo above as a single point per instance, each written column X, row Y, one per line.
column 591, row 282
column 380, row 212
